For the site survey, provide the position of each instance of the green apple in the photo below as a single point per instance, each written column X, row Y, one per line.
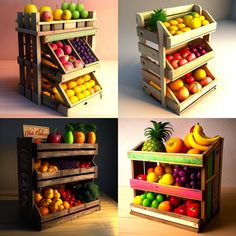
column 75, row 15
column 150, row 196
column 155, row 204
column 144, row 196
column 80, row 7
column 146, row 202
column 64, row 5
column 72, row 7
column 84, row 14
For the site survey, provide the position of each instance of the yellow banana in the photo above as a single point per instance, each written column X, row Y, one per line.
column 201, row 138
column 195, row 145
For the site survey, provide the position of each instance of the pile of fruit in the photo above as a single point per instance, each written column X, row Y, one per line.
column 49, row 201
column 172, row 204
column 190, row 83
column 45, row 166
column 186, row 23
column 186, row 55
column 72, row 164
column 78, row 89
column 182, row 176
column 84, row 50
column 67, row 11
column 195, row 142
column 64, row 52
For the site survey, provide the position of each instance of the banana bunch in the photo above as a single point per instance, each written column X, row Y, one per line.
column 198, row 140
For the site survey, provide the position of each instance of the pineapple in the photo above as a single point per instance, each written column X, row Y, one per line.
column 156, row 136
column 157, row 15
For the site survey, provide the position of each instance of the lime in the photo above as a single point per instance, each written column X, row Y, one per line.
column 160, row 198
column 144, row 196
column 146, row 202
column 155, row 204
column 150, row 196
column 137, row 200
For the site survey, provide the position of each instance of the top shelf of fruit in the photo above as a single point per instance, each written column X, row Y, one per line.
column 178, row 25
column 71, row 16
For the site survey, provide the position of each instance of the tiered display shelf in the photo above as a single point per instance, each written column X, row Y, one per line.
column 154, row 46
column 210, row 163
column 40, row 69
column 30, row 180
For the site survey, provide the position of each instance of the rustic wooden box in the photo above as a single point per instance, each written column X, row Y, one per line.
column 210, row 163
column 154, row 46
column 29, row 180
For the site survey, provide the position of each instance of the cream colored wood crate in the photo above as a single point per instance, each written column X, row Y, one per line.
column 157, row 72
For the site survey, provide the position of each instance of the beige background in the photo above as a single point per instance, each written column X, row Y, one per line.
column 131, row 134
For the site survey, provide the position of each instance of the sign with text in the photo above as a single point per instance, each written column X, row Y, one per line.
column 35, row 132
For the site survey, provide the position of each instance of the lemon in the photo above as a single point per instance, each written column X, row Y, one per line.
column 201, row 18
column 73, row 99
column 80, row 96
column 86, row 93
column 152, row 177
column 166, row 24
column 64, row 86
column 172, row 32
column 173, row 22
column 57, row 14
column 194, row 23
column 66, row 15
column 181, row 26
column 199, row 74
column 187, row 18
column 179, row 32
column 54, row 89
column 167, row 179
column 92, row 82
column 180, row 20
column 195, row 14
column 87, row 77
column 70, row 93
column 205, row 22
column 87, row 85
column 77, row 89
column 173, row 27
column 137, row 200
column 80, row 81
column 186, row 29
column 71, row 84
column 82, row 87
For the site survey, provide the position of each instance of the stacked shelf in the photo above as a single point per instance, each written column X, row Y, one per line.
column 154, row 46
column 210, row 165
column 41, row 70
column 66, row 157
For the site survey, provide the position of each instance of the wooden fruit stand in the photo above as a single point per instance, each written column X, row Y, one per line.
column 154, row 46
column 210, row 163
column 31, row 180
column 40, row 69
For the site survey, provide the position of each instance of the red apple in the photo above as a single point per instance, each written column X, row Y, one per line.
column 169, row 57
column 182, row 94
column 187, row 75
column 174, row 201
column 182, row 62
column 194, row 87
column 53, row 46
column 174, row 63
column 67, row 49
column 142, row 177
column 46, row 16
column 191, row 57
column 59, row 44
column 206, row 81
column 189, row 80
column 185, row 52
column 78, row 64
column 68, row 66
column 64, row 59
column 59, row 52
column 54, row 137
column 177, row 56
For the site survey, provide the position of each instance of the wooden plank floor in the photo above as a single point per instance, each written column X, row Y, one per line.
column 222, row 224
column 99, row 223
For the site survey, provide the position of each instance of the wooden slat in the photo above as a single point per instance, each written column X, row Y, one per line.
column 58, row 146
column 148, row 51
column 147, row 35
column 150, row 65
column 188, row 193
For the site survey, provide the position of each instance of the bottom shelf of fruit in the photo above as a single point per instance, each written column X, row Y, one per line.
column 55, row 205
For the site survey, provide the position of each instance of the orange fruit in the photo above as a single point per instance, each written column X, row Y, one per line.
column 80, row 81
column 165, row 206
column 194, row 151
column 173, row 22
column 151, row 169
column 70, row 93
column 172, row 32
column 49, row 193
column 175, row 85
column 180, row 20
column 159, row 170
column 179, row 32
column 175, row 145
column 87, row 77
column 173, row 27
column 61, row 207
column 64, row 86
column 43, row 168
column 91, row 90
column 186, row 29
column 66, row 205
column 71, row 84
column 96, row 88
column 37, row 197
column 181, row 26
column 53, row 207
column 43, row 211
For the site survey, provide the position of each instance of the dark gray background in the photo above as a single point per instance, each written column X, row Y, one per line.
column 107, row 139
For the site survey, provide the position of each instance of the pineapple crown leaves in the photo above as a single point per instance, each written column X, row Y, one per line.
column 160, row 131
column 90, row 127
column 157, row 15
column 69, row 127
column 79, row 127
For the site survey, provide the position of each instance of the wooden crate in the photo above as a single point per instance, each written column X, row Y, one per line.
column 33, row 38
column 31, row 180
column 171, row 101
column 154, row 46
column 210, row 164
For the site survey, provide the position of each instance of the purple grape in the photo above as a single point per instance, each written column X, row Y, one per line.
column 193, row 183
column 192, row 176
column 182, row 173
column 200, row 47
column 183, row 179
column 199, row 174
column 197, row 54
column 178, row 180
column 176, row 170
column 90, row 60
column 194, row 50
column 86, row 61
column 175, row 175
column 203, row 51
column 186, row 168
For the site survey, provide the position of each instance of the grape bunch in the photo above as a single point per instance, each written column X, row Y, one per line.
column 84, row 51
column 187, row 177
